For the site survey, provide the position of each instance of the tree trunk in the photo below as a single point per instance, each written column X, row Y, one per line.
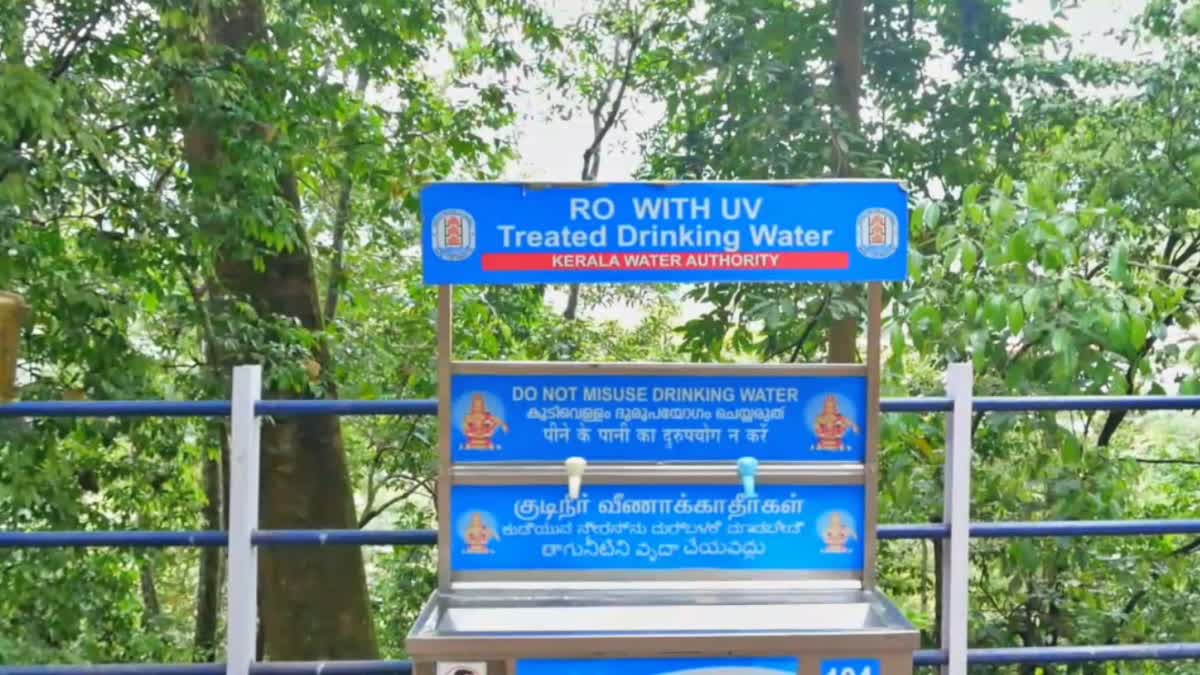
column 208, row 586
column 313, row 601
column 847, row 85
column 150, row 605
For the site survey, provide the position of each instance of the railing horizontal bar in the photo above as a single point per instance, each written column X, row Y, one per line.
column 1065, row 403
column 269, row 668
column 933, row 657
column 129, row 539
column 1178, row 651
column 935, row 531
column 919, row 404
column 118, row 669
column 429, row 406
column 345, row 538
column 115, row 409
column 1084, row 528
column 298, row 408
column 1048, row 528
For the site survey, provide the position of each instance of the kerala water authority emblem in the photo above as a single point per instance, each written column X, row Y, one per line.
column 453, row 235
column 878, row 233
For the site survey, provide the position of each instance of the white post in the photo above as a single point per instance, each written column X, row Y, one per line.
column 956, row 571
column 242, row 571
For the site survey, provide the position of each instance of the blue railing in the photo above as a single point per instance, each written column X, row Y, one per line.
column 429, row 406
column 277, row 538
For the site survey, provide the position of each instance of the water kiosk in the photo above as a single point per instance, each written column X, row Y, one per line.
column 653, row 518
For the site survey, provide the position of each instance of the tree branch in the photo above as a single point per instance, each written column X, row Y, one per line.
column 369, row 515
column 1186, row 462
column 63, row 58
column 67, row 53
column 372, row 484
column 808, row 329
column 1136, row 599
column 602, row 123
column 340, row 220
column 614, row 108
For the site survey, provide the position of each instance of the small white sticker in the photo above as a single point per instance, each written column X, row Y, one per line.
column 459, row 668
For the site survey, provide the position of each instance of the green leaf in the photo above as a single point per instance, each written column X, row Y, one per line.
column 1030, row 300
column 1002, row 212
column 971, row 194
column 933, row 214
column 1019, row 248
column 994, row 311
column 967, row 255
column 1016, row 318
column 1024, row 554
column 1072, row 450
column 1118, row 264
column 970, row 303
column 898, row 342
column 1137, row 331
column 1060, row 340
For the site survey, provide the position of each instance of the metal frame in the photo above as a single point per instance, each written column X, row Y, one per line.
column 957, row 515
column 445, row 357
column 305, row 408
column 676, row 474
column 451, row 473
column 901, row 637
column 244, row 456
column 874, row 421
column 278, row 538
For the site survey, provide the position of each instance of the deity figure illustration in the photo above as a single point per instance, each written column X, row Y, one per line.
column 831, row 427
column 837, row 535
column 479, row 535
column 479, row 425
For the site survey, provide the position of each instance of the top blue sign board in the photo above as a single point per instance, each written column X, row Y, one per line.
column 815, row 231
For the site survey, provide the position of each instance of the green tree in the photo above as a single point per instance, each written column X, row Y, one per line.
column 1053, row 248
column 179, row 184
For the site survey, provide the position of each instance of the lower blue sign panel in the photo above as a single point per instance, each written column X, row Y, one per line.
column 850, row 667
column 714, row 666
column 657, row 527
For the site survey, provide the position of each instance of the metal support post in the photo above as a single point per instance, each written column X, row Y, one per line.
column 957, row 514
column 242, row 629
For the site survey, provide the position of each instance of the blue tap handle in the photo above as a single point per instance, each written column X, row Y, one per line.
column 747, row 469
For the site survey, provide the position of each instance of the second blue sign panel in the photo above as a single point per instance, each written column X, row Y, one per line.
column 655, row 418
column 814, row 528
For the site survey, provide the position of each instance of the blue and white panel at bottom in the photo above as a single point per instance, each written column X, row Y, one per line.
column 850, row 667
column 694, row 666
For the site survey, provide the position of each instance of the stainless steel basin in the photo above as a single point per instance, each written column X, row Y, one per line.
column 517, row 623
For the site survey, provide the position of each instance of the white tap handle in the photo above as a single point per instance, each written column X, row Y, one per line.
column 575, row 468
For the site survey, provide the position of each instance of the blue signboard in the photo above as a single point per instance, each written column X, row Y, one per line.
column 787, row 665
column 509, row 418
column 657, row 528
column 819, row 231
column 850, row 667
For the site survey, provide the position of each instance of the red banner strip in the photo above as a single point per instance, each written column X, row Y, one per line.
column 544, row 262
